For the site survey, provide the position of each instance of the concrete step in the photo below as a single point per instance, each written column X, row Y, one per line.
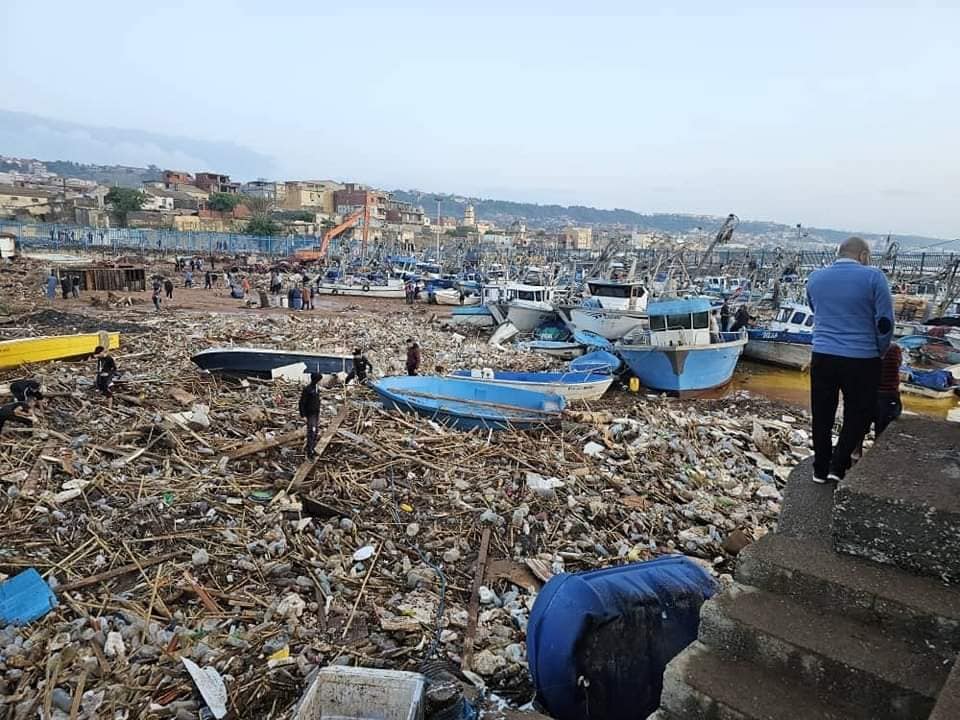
column 900, row 504
column 701, row 685
column 922, row 610
column 866, row 665
column 948, row 704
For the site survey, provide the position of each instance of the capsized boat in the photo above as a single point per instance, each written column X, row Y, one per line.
column 268, row 363
column 573, row 385
column 560, row 349
column 14, row 353
column 466, row 405
column 393, row 290
column 471, row 316
column 787, row 341
column 680, row 354
column 597, row 361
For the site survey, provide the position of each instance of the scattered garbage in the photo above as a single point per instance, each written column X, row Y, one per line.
column 354, row 693
column 210, row 684
column 24, row 598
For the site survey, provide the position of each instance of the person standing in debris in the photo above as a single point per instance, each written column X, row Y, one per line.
column 155, row 296
column 52, row 285
column 106, row 369
column 741, row 319
column 66, row 286
column 724, row 316
column 361, row 367
column 168, row 288
column 245, row 284
column 188, row 279
column 853, row 327
column 17, row 411
column 310, row 411
column 26, row 389
column 296, row 298
column 413, row 356
column 408, row 292
column 208, row 280
column 75, row 286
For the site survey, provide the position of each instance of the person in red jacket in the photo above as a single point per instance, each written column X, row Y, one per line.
column 889, row 406
column 413, row 356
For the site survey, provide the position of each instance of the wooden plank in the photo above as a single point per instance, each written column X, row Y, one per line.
column 261, row 445
column 473, row 611
column 307, row 466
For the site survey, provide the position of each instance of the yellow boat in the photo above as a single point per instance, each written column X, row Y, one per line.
column 54, row 347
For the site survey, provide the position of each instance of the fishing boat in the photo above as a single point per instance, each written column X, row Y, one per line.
column 268, row 363
column 393, row 290
column 571, row 385
column 14, row 353
column 529, row 305
column 560, row 349
column 597, row 361
column 679, row 354
column 466, row 405
column 787, row 341
column 452, row 296
column 472, row 316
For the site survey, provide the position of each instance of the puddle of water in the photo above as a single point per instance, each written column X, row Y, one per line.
column 793, row 387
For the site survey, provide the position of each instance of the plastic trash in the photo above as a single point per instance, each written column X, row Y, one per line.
column 354, row 693
column 210, row 684
column 24, row 598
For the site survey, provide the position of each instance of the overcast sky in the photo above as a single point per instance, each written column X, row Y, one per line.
column 831, row 117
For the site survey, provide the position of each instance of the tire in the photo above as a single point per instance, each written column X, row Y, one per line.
column 366, row 287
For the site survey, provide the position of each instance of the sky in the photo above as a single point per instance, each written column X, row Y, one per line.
column 843, row 117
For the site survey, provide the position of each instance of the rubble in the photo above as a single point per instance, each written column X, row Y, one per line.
column 189, row 541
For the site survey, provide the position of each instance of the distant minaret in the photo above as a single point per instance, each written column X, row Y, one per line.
column 469, row 217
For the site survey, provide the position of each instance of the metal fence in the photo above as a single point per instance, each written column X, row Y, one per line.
column 61, row 236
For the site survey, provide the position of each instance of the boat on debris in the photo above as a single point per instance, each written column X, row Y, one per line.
column 268, row 363
column 529, row 306
column 680, row 354
column 392, row 290
column 54, row 347
column 598, row 361
column 572, row 385
column 472, row 316
column 560, row 349
column 787, row 341
column 613, row 309
column 466, row 405
column 453, row 296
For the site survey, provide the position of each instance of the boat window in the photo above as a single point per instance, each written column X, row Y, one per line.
column 783, row 315
column 638, row 292
column 670, row 322
column 798, row 318
column 701, row 320
column 809, row 322
column 612, row 291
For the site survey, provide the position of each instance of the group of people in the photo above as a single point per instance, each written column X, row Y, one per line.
column 68, row 284
column 361, row 367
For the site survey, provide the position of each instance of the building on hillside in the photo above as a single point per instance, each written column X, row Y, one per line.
column 150, row 219
column 469, row 217
column 178, row 199
column 270, row 190
column 214, row 182
column 156, row 202
column 574, row 238
column 26, row 203
column 175, row 179
column 311, row 195
column 404, row 213
column 353, row 197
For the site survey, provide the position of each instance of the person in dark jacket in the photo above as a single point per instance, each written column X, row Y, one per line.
column 26, row 390
column 66, row 286
column 724, row 316
column 413, row 356
column 889, row 405
column 310, row 411
column 75, row 286
column 168, row 288
column 741, row 319
column 17, row 412
column 361, row 366
column 106, row 369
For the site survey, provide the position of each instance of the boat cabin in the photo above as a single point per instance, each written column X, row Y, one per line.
column 618, row 295
column 680, row 322
column 530, row 293
column 793, row 317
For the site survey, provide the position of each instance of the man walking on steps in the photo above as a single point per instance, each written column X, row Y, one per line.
column 853, row 326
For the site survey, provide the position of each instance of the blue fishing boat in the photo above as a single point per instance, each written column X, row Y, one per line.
column 466, row 405
column 680, row 353
column 597, row 361
column 573, row 385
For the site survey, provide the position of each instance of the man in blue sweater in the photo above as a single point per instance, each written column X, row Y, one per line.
column 853, row 314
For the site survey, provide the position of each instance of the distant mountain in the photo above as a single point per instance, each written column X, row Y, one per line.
column 504, row 212
column 32, row 136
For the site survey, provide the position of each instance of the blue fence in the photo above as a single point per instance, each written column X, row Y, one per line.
column 56, row 236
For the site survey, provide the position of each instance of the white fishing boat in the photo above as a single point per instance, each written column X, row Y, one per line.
column 570, row 385
column 451, row 296
column 559, row 349
column 529, row 305
column 787, row 341
column 393, row 290
column 612, row 310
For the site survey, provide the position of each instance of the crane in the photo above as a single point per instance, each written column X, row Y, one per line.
column 321, row 252
column 723, row 236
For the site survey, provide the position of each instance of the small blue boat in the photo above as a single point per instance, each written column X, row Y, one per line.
column 592, row 340
column 574, row 385
column 598, row 361
column 466, row 405
column 472, row 316
column 554, row 348
column 680, row 353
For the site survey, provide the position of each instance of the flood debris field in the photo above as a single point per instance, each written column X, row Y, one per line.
column 173, row 522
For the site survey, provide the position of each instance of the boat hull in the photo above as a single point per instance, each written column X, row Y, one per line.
column 263, row 362
column 475, row 316
column 609, row 324
column 386, row 292
column 465, row 405
column 553, row 348
column 21, row 351
column 589, row 389
column 784, row 354
column 683, row 370
column 526, row 317
column 447, row 297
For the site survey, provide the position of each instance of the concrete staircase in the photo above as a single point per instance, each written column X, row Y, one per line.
column 851, row 610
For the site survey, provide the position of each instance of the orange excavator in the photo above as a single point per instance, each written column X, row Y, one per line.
column 321, row 252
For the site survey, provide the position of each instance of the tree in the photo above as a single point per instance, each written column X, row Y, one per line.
column 262, row 225
column 259, row 204
column 123, row 201
column 223, row 202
